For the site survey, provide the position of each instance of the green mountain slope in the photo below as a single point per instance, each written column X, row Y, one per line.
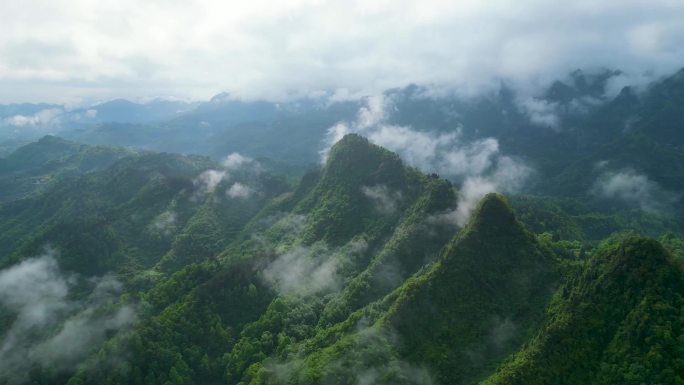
column 359, row 275
column 362, row 188
column 34, row 166
column 480, row 302
column 364, row 191
column 618, row 321
column 451, row 323
column 127, row 216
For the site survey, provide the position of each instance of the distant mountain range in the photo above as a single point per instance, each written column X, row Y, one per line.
column 579, row 138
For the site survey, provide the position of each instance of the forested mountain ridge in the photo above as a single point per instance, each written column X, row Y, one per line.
column 220, row 272
column 34, row 165
column 145, row 198
column 618, row 321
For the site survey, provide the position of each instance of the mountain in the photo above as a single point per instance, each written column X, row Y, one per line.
column 23, row 123
column 497, row 307
column 619, row 152
column 175, row 269
column 480, row 302
column 289, row 133
column 117, row 208
column 291, row 235
column 637, row 131
column 564, row 131
column 124, row 111
column 34, row 166
column 453, row 321
column 8, row 111
column 614, row 322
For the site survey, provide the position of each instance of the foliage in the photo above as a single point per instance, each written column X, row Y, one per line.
column 406, row 297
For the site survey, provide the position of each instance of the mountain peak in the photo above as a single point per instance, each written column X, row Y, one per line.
column 493, row 210
column 359, row 180
column 49, row 139
column 350, row 142
column 638, row 260
column 353, row 153
column 492, row 274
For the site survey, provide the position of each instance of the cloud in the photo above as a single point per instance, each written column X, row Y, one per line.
column 52, row 330
column 540, row 112
column 384, row 200
column 374, row 340
column 368, row 117
column 470, row 193
column 164, row 223
column 239, row 191
column 501, row 333
column 634, row 189
column 293, row 223
column 477, row 165
column 304, row 270
column 47, row 117
column 58, row 49
column 86, row 329
column 236, row 161
column 35, row 290
column 280, row 229
column 508, row 176
column 208, row 180
column 367, row 356
column 637, row 81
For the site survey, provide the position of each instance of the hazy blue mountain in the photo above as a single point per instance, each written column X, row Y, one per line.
column 124, row 111
column 289, row 133
column 23, row 123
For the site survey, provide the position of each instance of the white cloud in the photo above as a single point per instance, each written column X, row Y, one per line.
column 357, row 361
column 384, row 199
column 51, row 329
column 47, row 117
column 637, row 81
column 57, row 49
column 35, row 289
column 540, row 112
column 304, row 270
column 634, row 189
column 208, row 180
column 165, row 223
column 235, row 161
column 478, row 165
column 472, row 190
column 239, row 190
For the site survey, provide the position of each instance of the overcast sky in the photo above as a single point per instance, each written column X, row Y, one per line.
column 75, row 50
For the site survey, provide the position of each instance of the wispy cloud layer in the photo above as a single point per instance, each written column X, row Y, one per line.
column 306, row 270
column 635, row 189
column 384, row 199
column 56, row 49
column 52, row 330
column 479, row 166
column 208, row 180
